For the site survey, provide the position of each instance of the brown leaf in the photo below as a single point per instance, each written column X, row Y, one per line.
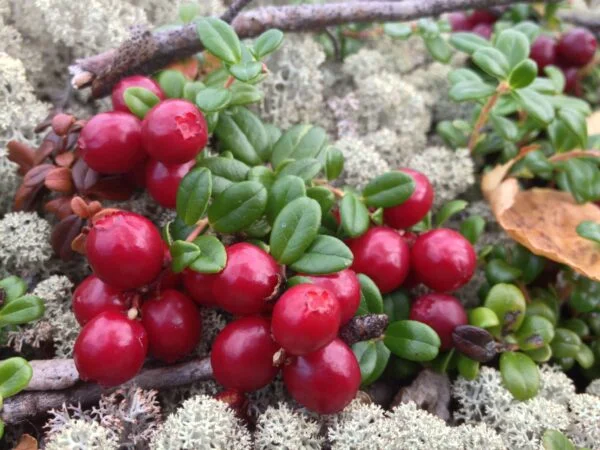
column 80, row 207
column 83, row 177
column 27, row 442
column 25, row 197
column 60, row 207
column 63, row 235
column 61, row 123
column 49, row 146
column 59, row 180
column 65, row 159
column 37, row 175
column 21, row 154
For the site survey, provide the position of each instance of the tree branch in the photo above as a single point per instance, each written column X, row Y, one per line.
column 145, row 52
column 587, row 19
column 234, row 10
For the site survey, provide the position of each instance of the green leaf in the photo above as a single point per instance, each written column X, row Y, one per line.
column 267, row 43
column 397, row 30
column 523, row 74
column 520, row 375
column 565, row 344
column 505, row 127
column 540, row 355
column 492, row 61
column 438, row 48
column 371, row 301
column 514, row 45
column 183, row 254
column 534, row 332
column 295, row 229
column 325, row 255
column 529, row 29
column 470, row 90
column 557, row 77
column 300, row 141
column 263, row 175
column 483, row 317
column 283, row 192
column 24, row 309
column 508, row 302
column 585, row 357
column 334, row 163
column 462, row 74
column 243, row 133
column 305, row 168
column 193, row 195
column 13, row 287
column 468, row 42
column 171, row 83
column 555, row 440
column 581, row 178
column 323, row 196
column 577, row 326
column 140, row 100
column 561, row 137
column 586, row 229
column 530, row 265
column 354, row 215
column 412, row 340
column 188, row 11
column 448, row 210
column 213, row 256
column 586, row 296
column 224, row 171
column 15, row 374
column 246, row 71
column 535, row 104
column 238, row 207
column 372, row 357
column 472, row 228
column 244, row 94
column 396, row 306
column 389, row 189
column 213, row 99
column 191, row 89
column 499, row 271
column 575, row 121
column 219, row 38
column 467, row 368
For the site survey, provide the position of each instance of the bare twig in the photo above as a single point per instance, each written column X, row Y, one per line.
column 235, row 8
column 337, row 54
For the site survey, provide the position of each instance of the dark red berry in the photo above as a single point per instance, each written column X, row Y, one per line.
column 543, row 52
column 573, row 81
column 383, row 256
column 250, row 279
column 173, row 324
column 443, row 259
column 125, row 250
column 413, row 210
column 93, row 297
column 346, row 288
column 199, row 286
column 174, row 131
column 111, row 142
column 412, row 280
column 162, row 181
column 480, row 16
column 169, row 279
column 441, row 312
column 242, row 354
column 118, row 100
column 459, row 21
column 110, row 349
column 324, row 381
column 576, row 47
column 137, row 176
column 483, row 29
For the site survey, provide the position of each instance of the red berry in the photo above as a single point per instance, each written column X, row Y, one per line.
column 443, row 259
column 174, row 131
column 169, row 279
column 383, row 256
column 118, row 100
column 93, row 297
column 481, row 16
column 412, row 211
column 162, row 181
column 543, row 52
column 173, row 323
column 576, row 47
column 111, row 142
column 459, row 21
column 573, row 81
column 250, row 278
column 199, row 286
column 110, row 349
column 137, row 176
column 242, row 354
column 441, row 312
column 305, row 318
column 346, row 288
column 125, row 250
column 324, row 381
column 412, row 280
column 483, row 29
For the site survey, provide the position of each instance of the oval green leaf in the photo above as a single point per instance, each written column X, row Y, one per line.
column 219, row 38
column 193, row 195
column 24, row 309
column 371, row 301
column 243, row 133
column 372, row 357
column 334, row 163
column 492, row 61
column 514, row 45
column 171, row 83
column 325, row 255
column 396, row 306
column 412, row 340
column 520, row 375
column 267, row 43
column 13, row 287
column 140, row 100
column 389, row 189
column 354, row 215
column 238, row 207
column 213, row 99
column 283, row 192
column 15, row 374
column 523, row 74
column 246, row 71
column 213, row 256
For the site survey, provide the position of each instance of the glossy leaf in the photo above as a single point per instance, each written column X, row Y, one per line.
column 24, row 309
column 505, row 127
column 540, row 355
column 555, row 440
column 246, row 71
column 191, row 89
column 334, row 163
column 305, row 168
column 354, row 215
column 467, row 368
column 585, row 356
column 243, row 133
column 183, row 254
column 396, row 305
column 372, row 357
column 140, row 100
column 472, row 228
column 520, row 375
column 326, row 254
column 323, row 196
column 589, row 230
column 398, row 30
column 483, row 317
column 565, row 344
column 212, row 258
column 508, row 302
column 267, row 43
column 412, row 340
column 438, row 48
column 557, row 77
column 470, row 90
column 499, row 271
column 284, row 191
column 15, row 374
column 523, row 74
column 371, row 301
column 535, row 104
column 575, row 121
column 193, row 195
column 244, row 94
column 171, row 83
column 12, row 287
column 300, row 141
column 213, row 99
column 224, row 172
column 389, row 189
column 448, row 210
column 534, row 332
column 492, row 61
column 468, row 42
column 262, row 175
column 238, row 207
column 514, row 45
column 219, row 38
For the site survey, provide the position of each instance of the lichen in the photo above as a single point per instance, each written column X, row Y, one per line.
column 584, row 412
column 80, row 434
column 282, row 428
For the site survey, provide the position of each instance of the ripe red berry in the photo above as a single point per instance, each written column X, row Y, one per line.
column 305, row 318
column 543, row 52
column 250, row 278
column 174, row 131
column 199, row 286
column 169, row 279
column 576, row 47
column 242, row 354
column 573, row 81
column 111, row 142
column 118, row 100
column 413, row 210
column 125, row 250
column 443, row 259
column 383, row 256
column 441, row 312
column 346, row 288
column 412, row 280
column 173, row 324
column 110, row 349
column 482, row 16
column 324, row 381
column 459, row 21
column 483, row 29
column 93, row 297
column 162, row 181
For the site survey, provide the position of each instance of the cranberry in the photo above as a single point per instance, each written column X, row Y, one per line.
column 250, row 278
column 125, row 250
column 483, row 29
column 173, row 323
column 110, row 349
column 543, row 52
column 93, row 297
column 174, row 131
column 443, row 259
column 305, row 318
column 111, row 142
column 459, row 21
column 412, row 280
column 169, row 279
column 118, row 100
column 346, row 288
column 383, row 256
column 199, row 286
column 412, row 211
column 242, row 354
column 481, row 16
column 576, row 47
column 441, row 312
column 162, row 181
column 573, row 81
column 324, row 381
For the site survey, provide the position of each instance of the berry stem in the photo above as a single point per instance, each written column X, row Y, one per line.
column 230, row 80
column 200, row 226
column 484, row 115
column 337, row 192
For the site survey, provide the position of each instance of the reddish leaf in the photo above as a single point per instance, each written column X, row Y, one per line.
column 50, row 145
column 61, row 123
column 63, row 235
column 115, row 188
column 83, row 177
column 65, row 159
column 60, row 207
column 25, row 197
column 21, row 154
column 59, row 180
column 37, row 175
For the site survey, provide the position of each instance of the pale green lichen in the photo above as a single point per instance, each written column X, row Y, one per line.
column 281, row 428
column 584, row 412
column 80, row 435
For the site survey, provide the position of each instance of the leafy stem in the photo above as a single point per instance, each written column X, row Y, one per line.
column 200, row 227
column 484, row 115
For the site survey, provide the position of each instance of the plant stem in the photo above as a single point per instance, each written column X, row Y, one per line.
column 200, row 227
column 484, row 115
column 337, row 192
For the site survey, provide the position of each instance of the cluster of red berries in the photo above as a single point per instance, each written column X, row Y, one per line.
column 480, row 22
column 157, row 151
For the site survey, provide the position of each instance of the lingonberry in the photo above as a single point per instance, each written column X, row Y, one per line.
column 382, row 255
column 173, row 324
column 250, row 278
column 573, row 81
column 110, row 349
column 199, row 286
column 169, row 279
column 443, row 259
column 459, row 21
column 305, row 318
column 441, row 312
column 483, row 29
column 576, row 47
column 242, row 354
column 415, row 208
column 93, row 297
column 480, row 16
column 125, row 250
column 174, row 131
column 543, row 52
column 162, row 181
column 118, row 101
column 412, row 280
column 346, row 288
column 111, row 142
column 324, row 381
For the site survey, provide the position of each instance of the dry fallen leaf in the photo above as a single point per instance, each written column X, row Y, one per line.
column 27, row 442
column 593, row 123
